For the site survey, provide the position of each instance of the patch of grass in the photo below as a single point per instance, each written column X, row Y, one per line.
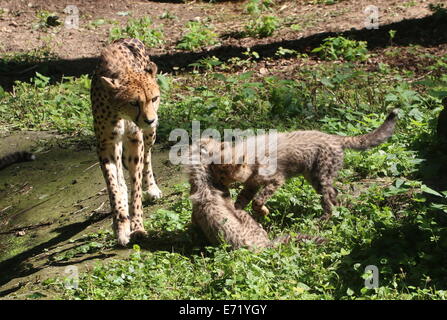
column 197, row 35
column 141, row 29
column 263, row 26
column 321, row 94
column 256, row 7
column 10, row 61
column 208, row 63
column 38, row 105
column 337, row 48
column 168, row 15
column 46, row 19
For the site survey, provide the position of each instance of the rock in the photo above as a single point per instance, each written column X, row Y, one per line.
column 263, row 71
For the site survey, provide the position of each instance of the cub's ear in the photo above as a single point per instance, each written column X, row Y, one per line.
column 151, row 68
column 110, row 83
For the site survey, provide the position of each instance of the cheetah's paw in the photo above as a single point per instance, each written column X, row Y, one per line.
column 123, row 238
column 138, row 234
column 262, row 211
column 152, row 194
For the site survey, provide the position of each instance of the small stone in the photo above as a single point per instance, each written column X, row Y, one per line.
column 263, row 71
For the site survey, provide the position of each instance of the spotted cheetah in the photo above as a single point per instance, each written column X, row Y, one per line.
column 125, row 98
column 215, row 214
column 316, row 155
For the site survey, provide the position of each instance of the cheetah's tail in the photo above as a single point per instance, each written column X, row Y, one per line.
column 300, row 237
column 15, row 157
column 374, row 138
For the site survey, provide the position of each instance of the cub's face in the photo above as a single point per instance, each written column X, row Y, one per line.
column 224, row 169
column 228, row 174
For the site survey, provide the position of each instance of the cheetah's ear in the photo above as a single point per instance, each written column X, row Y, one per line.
column 110, row 83
column 151, row 68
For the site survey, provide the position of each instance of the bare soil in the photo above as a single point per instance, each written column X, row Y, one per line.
column 75, row 50
column 18, row 33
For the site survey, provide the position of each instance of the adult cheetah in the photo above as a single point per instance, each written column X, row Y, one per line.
column 125, row 98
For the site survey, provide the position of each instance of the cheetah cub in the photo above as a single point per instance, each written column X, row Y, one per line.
column 214, row 212
column 125, row 98
column 315, row 155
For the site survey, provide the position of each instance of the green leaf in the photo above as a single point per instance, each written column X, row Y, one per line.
column 426, row 189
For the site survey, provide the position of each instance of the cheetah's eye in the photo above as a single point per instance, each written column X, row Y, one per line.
column 154, row 99
column 134, row 103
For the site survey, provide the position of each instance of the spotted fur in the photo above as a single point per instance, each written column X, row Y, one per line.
column 19, row 156
column 316, row 155
column 214, row 212
column 125, row 98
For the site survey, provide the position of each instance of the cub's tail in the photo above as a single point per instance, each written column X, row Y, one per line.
column 15, row 157
column 374, row 138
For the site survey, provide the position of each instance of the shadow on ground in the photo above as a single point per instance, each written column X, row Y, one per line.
column 17, row 266
column 51, row 212
column 427, row 31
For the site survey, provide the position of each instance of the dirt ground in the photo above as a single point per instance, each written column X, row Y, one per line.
column 75, row 51
column 72, row 203
column 17, row 27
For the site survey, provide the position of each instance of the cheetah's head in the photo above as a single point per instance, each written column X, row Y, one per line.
column 225, row 165
column 137, row 95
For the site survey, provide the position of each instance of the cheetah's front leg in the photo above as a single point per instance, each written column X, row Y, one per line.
column 109, row 156
column 246, row 195
column 151, row 190
column 135, row 166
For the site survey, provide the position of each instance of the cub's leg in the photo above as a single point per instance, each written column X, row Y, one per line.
column 151, row 190
column 261, row 198
column 245, row 196
column 322, row 180
column 135, row 165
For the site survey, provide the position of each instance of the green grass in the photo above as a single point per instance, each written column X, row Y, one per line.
column 141, row 29
column 263, row 26
column 340, row 48
column 197, row 36
column 38, row 105
column 389, row 215
column 256, row 7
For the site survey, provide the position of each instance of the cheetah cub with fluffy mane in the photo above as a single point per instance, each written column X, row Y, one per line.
column 316, row 155
column 214, row 212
